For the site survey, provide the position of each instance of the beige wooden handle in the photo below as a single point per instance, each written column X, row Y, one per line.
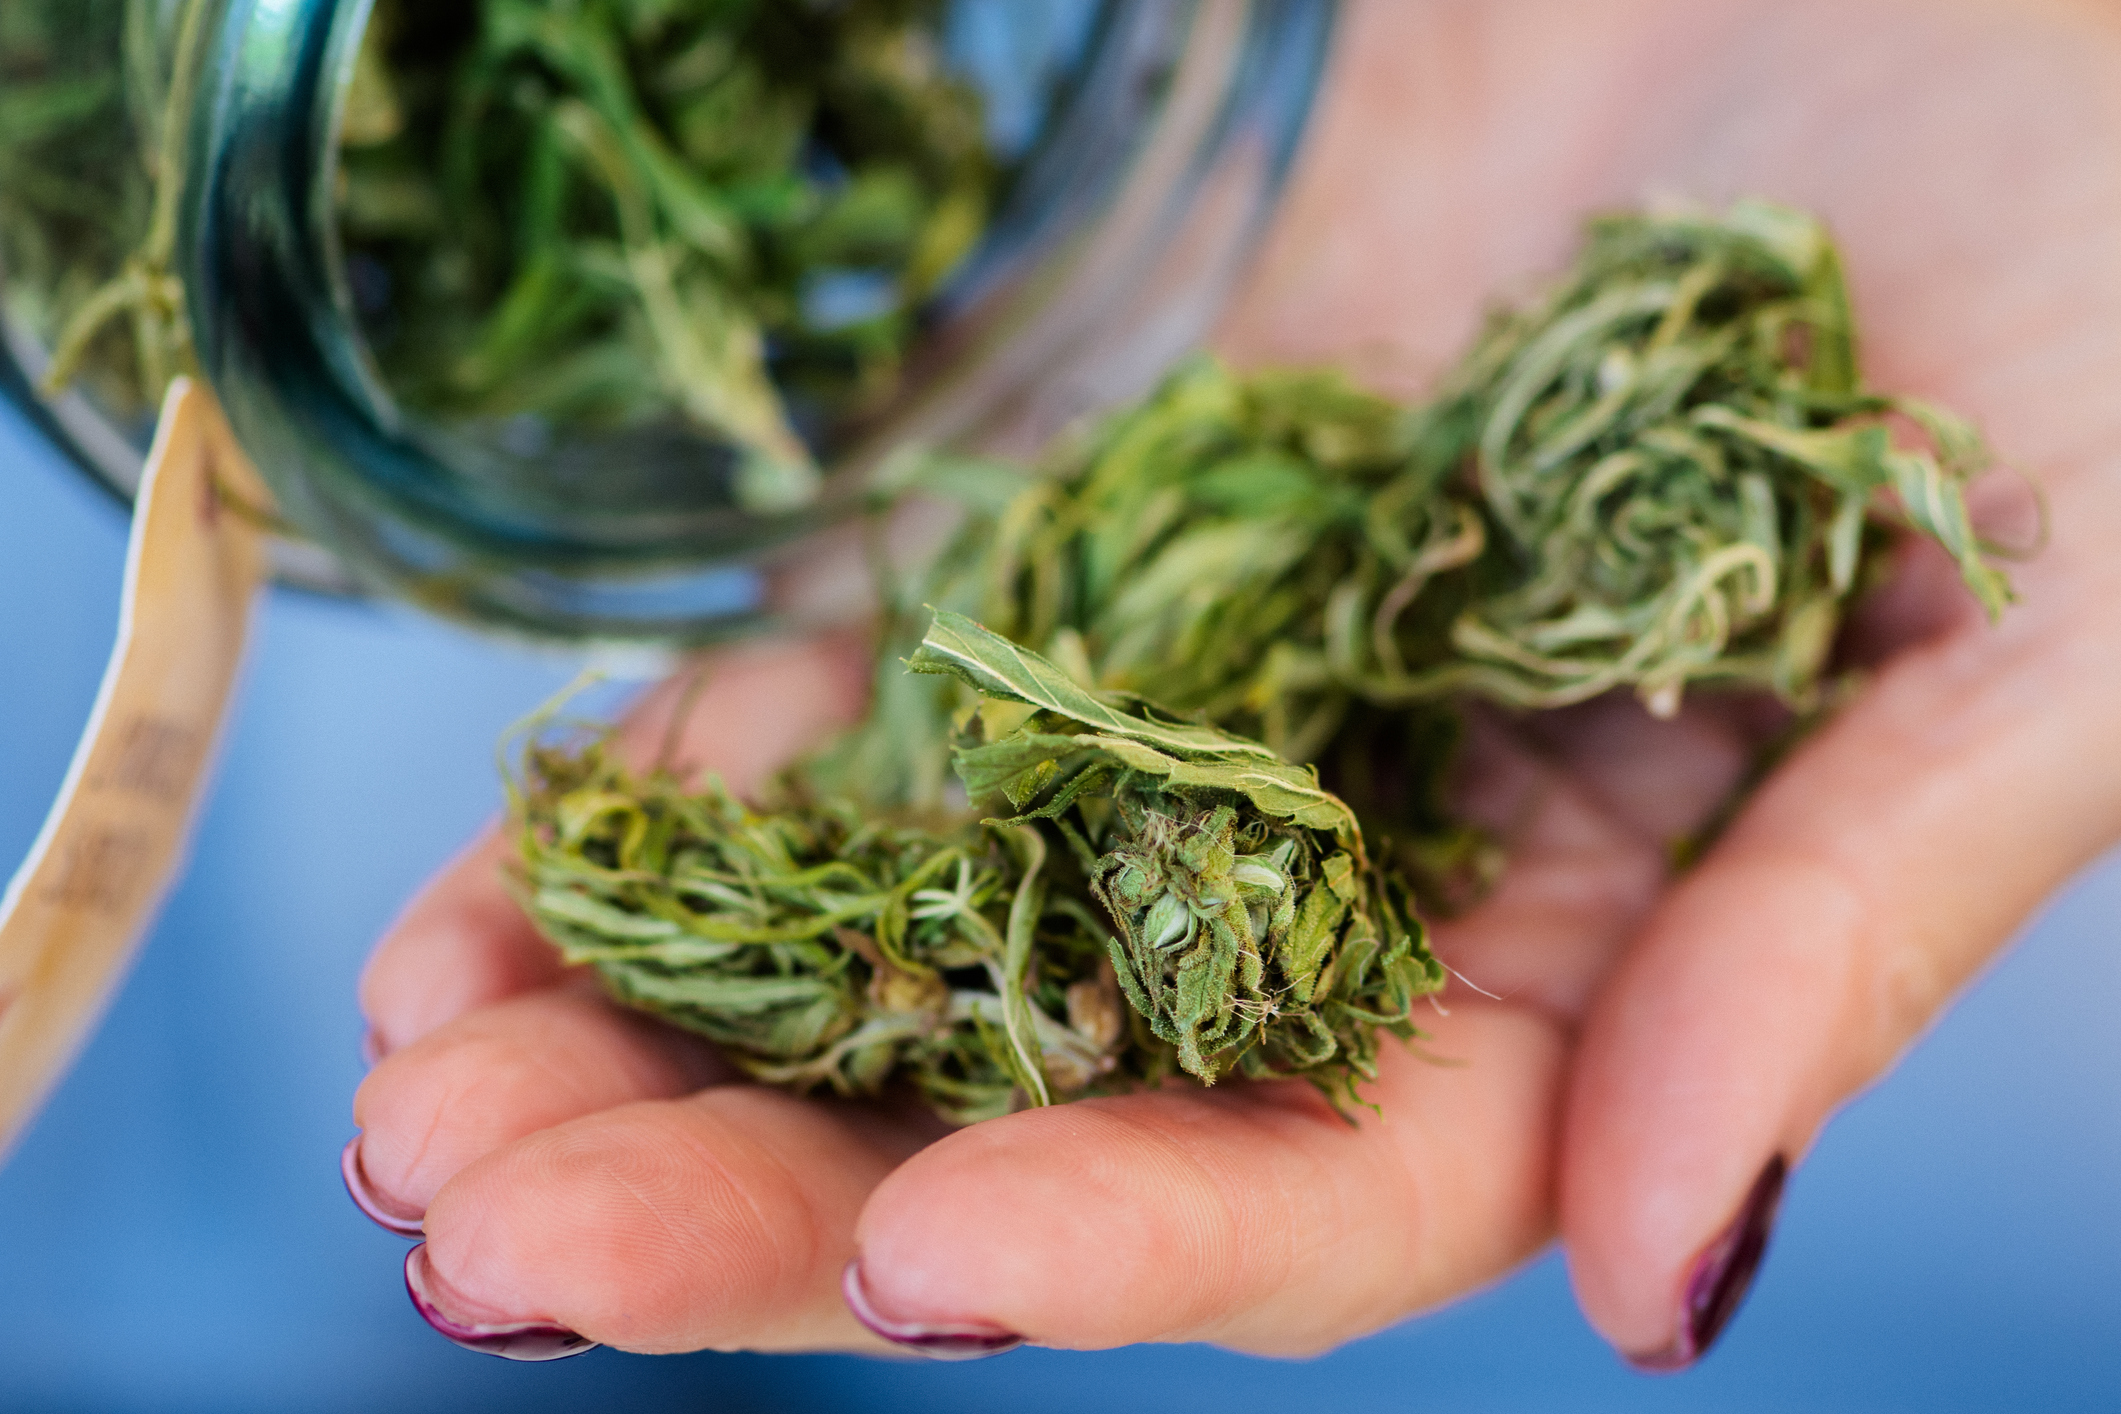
column 75, row 910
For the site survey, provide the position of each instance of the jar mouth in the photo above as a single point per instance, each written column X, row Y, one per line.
column 1123, row 226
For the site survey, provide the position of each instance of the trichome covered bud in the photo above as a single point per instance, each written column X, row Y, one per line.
column 1661, row 472
column 1665, row 473
column 1158, row 895
column 1678, row 465
column 1252, row 933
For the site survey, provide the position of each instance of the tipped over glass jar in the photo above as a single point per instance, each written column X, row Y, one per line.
column 596, row 318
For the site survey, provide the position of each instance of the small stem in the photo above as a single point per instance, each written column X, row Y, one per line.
column 1016, row 966
column 108, row 303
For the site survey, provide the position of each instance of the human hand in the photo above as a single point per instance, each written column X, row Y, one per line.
column 1656, row 1042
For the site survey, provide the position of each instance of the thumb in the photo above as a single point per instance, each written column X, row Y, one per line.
column 1879, row 869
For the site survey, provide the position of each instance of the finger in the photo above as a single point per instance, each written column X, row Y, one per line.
column 464, row 942
column 751, row 709
column 1249, row 1215
column 504, row 1071
column 1865, row 884
column 720, row 1220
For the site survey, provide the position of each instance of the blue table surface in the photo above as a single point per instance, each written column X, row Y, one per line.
column 173, row 1235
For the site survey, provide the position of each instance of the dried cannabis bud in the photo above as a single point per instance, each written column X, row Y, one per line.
column 1215, row 548
column 1189, row 548
column 1677, row 461
column 1664, row 473
column 1660, row 473
column 1256, row 933
column 1213, row 886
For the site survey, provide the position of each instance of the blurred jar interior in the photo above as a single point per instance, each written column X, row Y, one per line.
column 590, row 319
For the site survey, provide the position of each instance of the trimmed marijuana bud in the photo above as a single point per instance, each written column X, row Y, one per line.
column 1188, row 548
column 1660, row 473
column 1256, row 934
column 818, row 947
column 1677, row 463
column 979, row 960
column 1665, row 473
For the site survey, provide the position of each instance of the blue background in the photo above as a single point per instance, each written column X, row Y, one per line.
column 173, row 1235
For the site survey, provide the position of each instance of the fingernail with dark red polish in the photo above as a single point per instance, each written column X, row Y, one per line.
column 386, row 1213
column 511, row 1340
column 956, row 1340
column 1722, row 1275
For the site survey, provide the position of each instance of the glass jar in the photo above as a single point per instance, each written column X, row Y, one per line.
column 1143, row 144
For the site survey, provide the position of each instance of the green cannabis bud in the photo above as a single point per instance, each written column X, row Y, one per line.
column 1191, row 547
column 1662, row 472
column 1255, row 933
column 1666, row 473
column 1677, row 464
column 1155, row 896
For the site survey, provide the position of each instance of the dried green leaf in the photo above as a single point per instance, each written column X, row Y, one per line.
column 990, row 664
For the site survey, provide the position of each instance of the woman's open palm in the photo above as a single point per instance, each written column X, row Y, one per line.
column 1633, row 1053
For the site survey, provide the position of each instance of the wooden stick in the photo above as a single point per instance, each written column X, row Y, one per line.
column 74, row 913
